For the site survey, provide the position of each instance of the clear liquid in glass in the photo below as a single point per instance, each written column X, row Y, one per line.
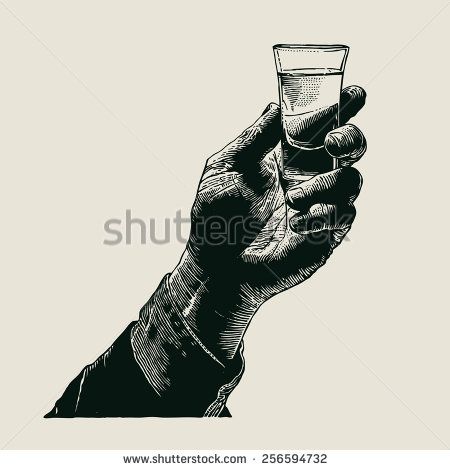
column 309, row 109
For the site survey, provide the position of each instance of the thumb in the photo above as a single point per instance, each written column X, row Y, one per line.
column 258, row 139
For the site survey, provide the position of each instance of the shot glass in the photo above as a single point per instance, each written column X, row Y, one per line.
column 309, row 84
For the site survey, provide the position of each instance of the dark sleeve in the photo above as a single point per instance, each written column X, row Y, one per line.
column 156, row 367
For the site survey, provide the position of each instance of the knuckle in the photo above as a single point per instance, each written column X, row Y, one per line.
column 250, row 134
column 356, row 137
column 350, row 179
column 352, row 130
column 355, row 91
column 351, row 212
column 345, row 217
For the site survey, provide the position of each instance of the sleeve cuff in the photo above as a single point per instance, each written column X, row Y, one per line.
column 178, row 366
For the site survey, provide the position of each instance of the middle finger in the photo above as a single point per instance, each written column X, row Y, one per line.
column 338, row 186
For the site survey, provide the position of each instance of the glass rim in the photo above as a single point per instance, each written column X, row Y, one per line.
column 318, row 47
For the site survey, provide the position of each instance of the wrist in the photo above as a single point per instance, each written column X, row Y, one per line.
column 215, row 309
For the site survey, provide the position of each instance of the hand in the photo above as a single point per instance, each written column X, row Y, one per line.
column 252, row 236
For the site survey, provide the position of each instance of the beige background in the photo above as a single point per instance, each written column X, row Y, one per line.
column 109, row 105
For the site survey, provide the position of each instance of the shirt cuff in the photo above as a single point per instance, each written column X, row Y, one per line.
column 178, row 366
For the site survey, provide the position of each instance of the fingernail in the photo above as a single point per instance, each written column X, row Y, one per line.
column 332, row 143
column 269, row 107
column 343, row 141
column 298, row 224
